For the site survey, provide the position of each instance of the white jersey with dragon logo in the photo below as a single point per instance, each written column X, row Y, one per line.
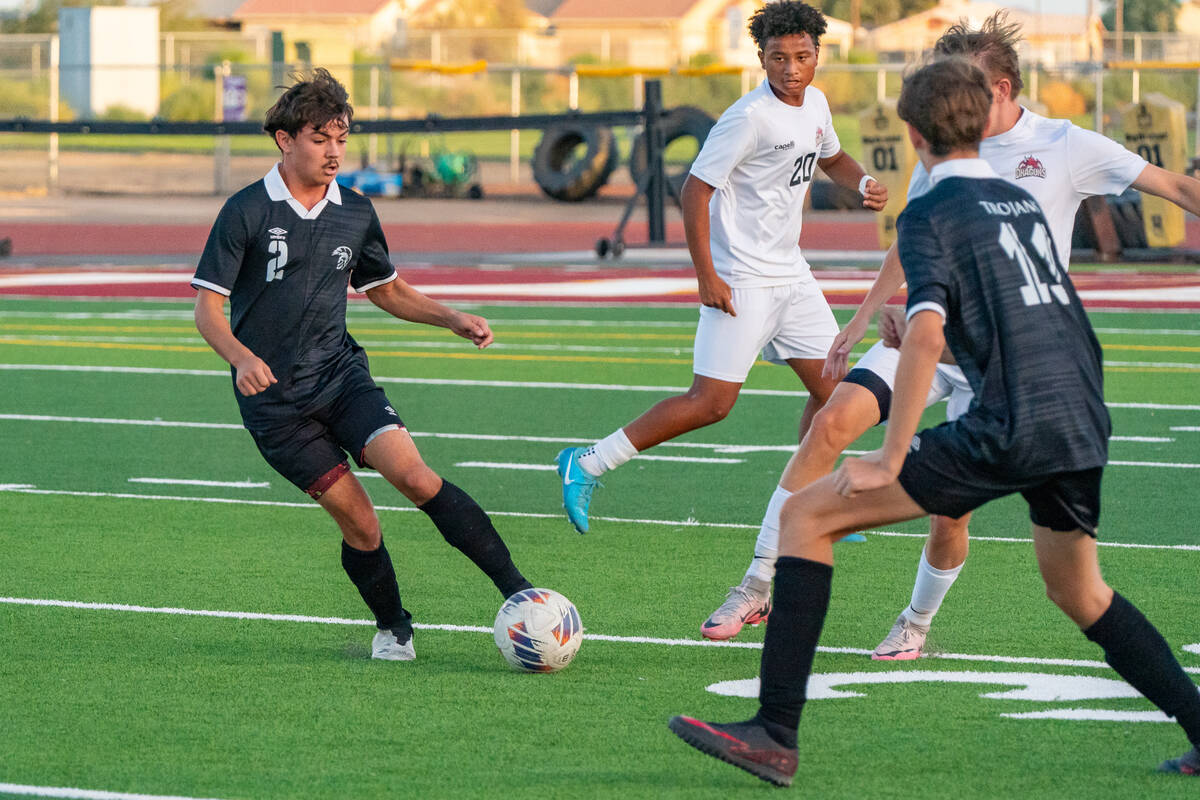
column 1057, row 162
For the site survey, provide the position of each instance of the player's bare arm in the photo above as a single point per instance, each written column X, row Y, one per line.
column 1179, row 189
column 714, row 292
column 253, row 374
column 847, row 173
column 888, row 281
column 404, row 302
column 923, row 344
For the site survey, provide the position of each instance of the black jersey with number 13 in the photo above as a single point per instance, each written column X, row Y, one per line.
column 979, row 249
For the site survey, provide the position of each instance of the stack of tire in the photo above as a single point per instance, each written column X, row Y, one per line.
column 574, row 159
column 1126, row 212
column 678, row 123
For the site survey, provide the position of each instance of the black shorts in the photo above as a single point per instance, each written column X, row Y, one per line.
column 945, row 479
column 310, row 447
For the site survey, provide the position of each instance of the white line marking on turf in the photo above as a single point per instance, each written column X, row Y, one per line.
column 82, row 794
column 500, row 465
column 1186, row 428
column 20, row 488
column 607, row 387
column 715, row 447
column 1193, row 648
column 197, row 482
column 157, row 423
column 303, row 618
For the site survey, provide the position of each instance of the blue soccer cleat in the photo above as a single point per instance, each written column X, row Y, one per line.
column 577, row 485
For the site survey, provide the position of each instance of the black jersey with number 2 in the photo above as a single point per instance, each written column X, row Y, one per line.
column 979, row 251
column 286, row 277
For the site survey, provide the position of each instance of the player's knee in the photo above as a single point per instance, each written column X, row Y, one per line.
column 361, row 530
column 707, row 407
column 949, row 529
column 834, row 428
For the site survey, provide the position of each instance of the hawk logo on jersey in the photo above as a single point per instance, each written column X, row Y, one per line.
column 1030, row 167
column 344, row 254
column 916, row 444
column 820, row 136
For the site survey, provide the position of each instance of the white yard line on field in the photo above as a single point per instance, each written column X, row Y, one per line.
column 82, row 794
column 606, row 387
column 22, row 488
column 198, row 482
column 653, row 640
column 496, row 437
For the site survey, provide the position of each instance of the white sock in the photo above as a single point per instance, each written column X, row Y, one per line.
column 609, row 453
column 929, row 591
column 766, row 547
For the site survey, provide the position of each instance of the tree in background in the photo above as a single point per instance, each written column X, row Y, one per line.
column 1143, row 15
column 44, row 17
column 497, row 14
column 876, row 12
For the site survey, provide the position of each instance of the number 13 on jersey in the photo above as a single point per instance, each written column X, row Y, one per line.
column 1034, row 291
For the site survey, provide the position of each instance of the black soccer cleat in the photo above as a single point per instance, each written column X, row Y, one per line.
column 746, row 745
column 1186, row 764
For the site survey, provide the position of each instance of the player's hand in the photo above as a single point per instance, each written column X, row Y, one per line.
column 892, row 325
column 715, row 293
column 253, row 376
column 876, row 196
column 472, row 327
column 862, row 474
column 837, row 362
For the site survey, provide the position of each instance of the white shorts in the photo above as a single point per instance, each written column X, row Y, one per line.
column 948, row 381
column 781, row 322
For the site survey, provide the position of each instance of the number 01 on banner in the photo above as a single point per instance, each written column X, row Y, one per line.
column 889, row 157
column 1155, row 129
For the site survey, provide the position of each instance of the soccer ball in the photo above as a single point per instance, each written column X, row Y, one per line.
column 538, row 630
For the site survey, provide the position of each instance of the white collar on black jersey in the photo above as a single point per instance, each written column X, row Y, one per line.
column 277, row 190
column 961, row 168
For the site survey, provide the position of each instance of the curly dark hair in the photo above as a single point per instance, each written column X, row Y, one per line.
column 785, row 17
column 947, row 101
column 319, row 100
column 993, row 47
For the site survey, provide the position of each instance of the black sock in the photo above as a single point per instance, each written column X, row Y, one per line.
column 371, row 571
column 801, row 600
column 1140, row 655
column 467, row 527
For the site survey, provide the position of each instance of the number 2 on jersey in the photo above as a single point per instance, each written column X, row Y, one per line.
column 279, row 249
column 804, row 169
column 1034, row 292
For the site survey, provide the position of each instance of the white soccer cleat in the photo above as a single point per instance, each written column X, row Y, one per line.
column 904, row 641
column 387, row 646
column 747, row 604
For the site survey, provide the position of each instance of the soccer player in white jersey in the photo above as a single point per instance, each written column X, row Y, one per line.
column 1057, row 162
column 742, row 213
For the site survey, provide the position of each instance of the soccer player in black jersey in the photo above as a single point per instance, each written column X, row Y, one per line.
column 983, row 278
column 283, row 250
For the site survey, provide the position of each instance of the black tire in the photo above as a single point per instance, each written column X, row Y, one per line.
column 1126, row 212
column 676, row 124
column 564, row 176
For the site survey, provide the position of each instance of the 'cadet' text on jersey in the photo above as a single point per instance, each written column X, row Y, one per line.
column 1059, row 163
column 760, row 157
column 978, row 250
column 285, row 270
